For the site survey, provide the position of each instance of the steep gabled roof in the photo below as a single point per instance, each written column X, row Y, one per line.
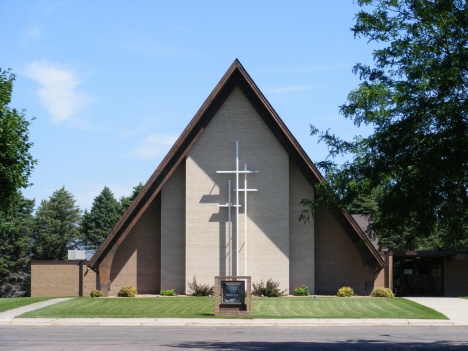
column 236, row 75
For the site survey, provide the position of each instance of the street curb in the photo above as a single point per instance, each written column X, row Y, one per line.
column 227, row 322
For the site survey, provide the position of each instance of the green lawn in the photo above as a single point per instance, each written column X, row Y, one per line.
column 464, row 298
column 15, row 302
column 200, row 307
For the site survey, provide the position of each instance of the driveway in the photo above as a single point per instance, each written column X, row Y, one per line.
column 454, row 308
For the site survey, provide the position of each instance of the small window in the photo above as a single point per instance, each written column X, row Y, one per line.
column 436, row 270
column 408, row 271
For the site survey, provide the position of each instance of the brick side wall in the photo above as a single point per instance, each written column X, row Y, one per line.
column 301, row 236
column 268, row 209
column 173, row 232
column 380, row 280
column 55, row 279
column 337, row 261
column 137, row 261
column 90, row 281
column 456, row 278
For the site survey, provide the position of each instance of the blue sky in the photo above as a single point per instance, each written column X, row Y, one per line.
column 112, row 84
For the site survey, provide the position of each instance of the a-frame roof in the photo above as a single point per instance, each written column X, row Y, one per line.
column 235, row 76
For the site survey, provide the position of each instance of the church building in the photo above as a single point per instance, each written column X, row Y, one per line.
column 226, row 201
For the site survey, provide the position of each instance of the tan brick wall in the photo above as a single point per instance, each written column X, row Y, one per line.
column 301, row 236
column 173, row 232
column 268, row 209
column 380, row 280
column 390, row 275
column 456, row 278
column 137, row 261
column 90, row 281
column 337, row 261
column 55, row 279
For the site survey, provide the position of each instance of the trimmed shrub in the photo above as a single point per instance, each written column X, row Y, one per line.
column 168, row 292
column 345, row 291
column 96, row 293
column 270, row 289
column 127, row 291
column 302, row 291
column 382, row 292
column 200, row 290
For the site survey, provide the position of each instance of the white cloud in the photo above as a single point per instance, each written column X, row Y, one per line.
column 58, row 92
column 289, row 89
column 153, row 145
column 129, row 133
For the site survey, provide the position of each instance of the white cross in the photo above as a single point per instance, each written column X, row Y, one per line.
column 237, row 205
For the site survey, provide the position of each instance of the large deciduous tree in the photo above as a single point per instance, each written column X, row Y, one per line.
column 16, row 163
column 415, row 97
column 99, row 222
column 57, row 227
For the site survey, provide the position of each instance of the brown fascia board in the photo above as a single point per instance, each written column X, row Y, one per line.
column 56, row 263
column 236, row 75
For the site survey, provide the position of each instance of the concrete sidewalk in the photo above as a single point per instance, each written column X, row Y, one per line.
column 454, row 308
column 11, row 314
column 228, row 322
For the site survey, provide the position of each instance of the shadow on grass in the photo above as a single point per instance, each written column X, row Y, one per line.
column 345, row 345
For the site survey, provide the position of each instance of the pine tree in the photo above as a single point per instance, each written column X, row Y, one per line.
column 125, row 202
column 99, row 222
column 16, row 237
column 57, row 226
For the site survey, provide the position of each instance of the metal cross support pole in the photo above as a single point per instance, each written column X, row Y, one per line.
column 229, row 205
column 237, row 205
column 245, row 190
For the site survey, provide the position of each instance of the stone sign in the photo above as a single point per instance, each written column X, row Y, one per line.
column 233, row 291
column 233, row 296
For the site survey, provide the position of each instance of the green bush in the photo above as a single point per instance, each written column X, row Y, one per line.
column 345, row 291
column 382, row 292
column 96, row 293
column 127, row 291
column 168, row 292
column 270, row 289
column 302, row 291
column 200, row 290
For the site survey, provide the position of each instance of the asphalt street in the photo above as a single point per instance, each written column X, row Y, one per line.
column 51, row 338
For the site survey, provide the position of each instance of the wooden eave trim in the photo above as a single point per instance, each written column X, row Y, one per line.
column 191, row 133
column 57, row 262
column 363, row 236
column 175, row 152
column 299, row 155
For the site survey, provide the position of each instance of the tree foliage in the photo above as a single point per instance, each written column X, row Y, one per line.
column 16, row 163
column 99, row 222
column 16, row 238
column 405, row 239
column 57, row 226
column 415, row 98
column 125, row 202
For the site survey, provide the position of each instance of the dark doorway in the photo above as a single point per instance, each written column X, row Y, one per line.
column 418, row 276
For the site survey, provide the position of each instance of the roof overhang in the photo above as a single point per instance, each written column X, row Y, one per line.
column 236, row 75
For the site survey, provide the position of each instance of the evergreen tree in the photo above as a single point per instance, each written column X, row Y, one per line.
column 125, row 202
column 16, row 237
column 57, row 227
column 99, row 222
